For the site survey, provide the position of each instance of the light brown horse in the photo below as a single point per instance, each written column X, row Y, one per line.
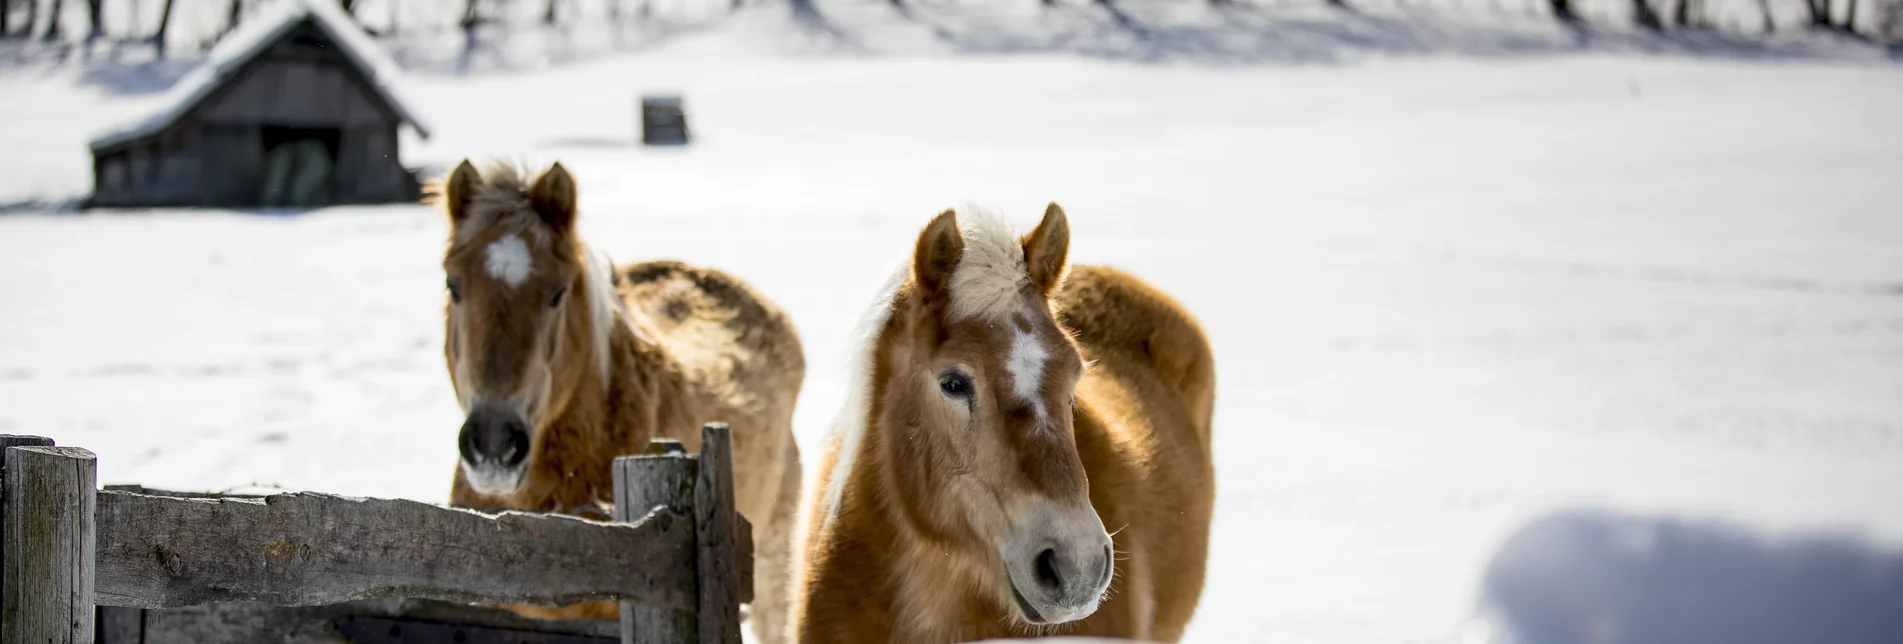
column 563, row 362
column 1002, row 415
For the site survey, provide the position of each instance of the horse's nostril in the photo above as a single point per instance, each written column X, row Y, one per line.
column 466, row 443
column 517, row 450
column 1047, row 571
column 1109, row 561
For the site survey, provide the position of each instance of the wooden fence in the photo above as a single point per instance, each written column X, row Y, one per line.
column 128, row 564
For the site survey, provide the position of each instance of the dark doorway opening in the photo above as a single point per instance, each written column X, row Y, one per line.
column 300, row 166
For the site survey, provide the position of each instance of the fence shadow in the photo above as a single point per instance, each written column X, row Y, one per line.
column 1601, row 578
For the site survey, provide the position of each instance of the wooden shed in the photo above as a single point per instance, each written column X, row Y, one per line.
column 297, row 108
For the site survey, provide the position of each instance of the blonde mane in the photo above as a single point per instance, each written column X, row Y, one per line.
column 987, row 282
column 605, row 308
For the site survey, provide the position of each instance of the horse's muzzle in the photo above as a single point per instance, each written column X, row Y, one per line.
column 1060, row 568
column 495, row 447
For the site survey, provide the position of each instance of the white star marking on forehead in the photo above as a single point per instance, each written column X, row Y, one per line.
column 1026, row 365
column 508, row 260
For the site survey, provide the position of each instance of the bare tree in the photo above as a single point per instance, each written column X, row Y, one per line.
column 1690, row 13
column 94, row 26
column 1645, row 16
column 1819, row 13
column 233, row 14
column 1563, row 12
column 6, row 9
column 1764, row 9
column 472, row 16
column 548, row 15
column 165, row 22
column 1850, row 18
column 53, row 32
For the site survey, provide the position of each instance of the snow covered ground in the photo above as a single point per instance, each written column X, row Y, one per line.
column 1451, row 297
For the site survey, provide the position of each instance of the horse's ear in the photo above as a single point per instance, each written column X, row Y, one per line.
column 553, row 197
column 1047, row 250
column 940, row 246
column 458, row 189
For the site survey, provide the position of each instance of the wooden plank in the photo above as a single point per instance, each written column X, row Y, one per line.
column 303, row 549
column 50, row 495
column 261, row 624
column 6, row 441
column 715, row 526
column 660, row 485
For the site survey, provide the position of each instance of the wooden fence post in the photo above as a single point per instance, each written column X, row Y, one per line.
column 51, row 495
column 663, row 477
column 714, row 530
column 6, row 441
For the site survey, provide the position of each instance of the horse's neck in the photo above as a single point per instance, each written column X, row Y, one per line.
column 644, row 394
column 598, row 422
column 875, row 574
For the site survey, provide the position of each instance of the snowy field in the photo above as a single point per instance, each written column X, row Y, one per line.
column 1450, row 297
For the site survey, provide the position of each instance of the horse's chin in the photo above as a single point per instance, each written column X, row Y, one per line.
column 492, row 481
column 1047, row 615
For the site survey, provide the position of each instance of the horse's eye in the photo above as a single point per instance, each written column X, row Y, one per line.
column 955, row 384
column 455, row 290
column 557, row 300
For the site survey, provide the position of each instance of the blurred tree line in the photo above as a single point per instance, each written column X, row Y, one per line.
column 150, row 20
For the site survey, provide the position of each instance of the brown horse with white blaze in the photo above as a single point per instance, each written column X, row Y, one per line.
column 1004, row 410
column 563, row 362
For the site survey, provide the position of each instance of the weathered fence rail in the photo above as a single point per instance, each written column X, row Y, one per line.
column 302, row 565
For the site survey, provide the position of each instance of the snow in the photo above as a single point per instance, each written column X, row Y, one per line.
column 253, row 37
column 1453, row 298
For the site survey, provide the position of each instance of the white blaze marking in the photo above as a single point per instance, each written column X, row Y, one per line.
column 508, row 260
column 1027, row 368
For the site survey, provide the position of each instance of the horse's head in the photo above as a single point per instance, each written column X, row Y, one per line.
column 973, row 395
column 512, row 263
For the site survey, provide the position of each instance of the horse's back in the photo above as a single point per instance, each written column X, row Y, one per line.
column 1143, row 430
column 1116, row 316
column 711, row 320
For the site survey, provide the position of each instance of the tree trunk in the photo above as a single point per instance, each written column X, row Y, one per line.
column 1764, row 8
column 52, row 22
column 1645, row 16
column 6, row 8
column 1850, row 18
column 95, row 27
column 548, row 16
column 165, row 22
column 232, row 16
column 1819, row 13
column 1563, row 11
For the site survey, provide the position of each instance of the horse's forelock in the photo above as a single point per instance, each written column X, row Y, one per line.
column 991, row 275
column 500, row 203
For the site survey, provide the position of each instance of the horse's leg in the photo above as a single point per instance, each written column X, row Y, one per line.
column 773, row 548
